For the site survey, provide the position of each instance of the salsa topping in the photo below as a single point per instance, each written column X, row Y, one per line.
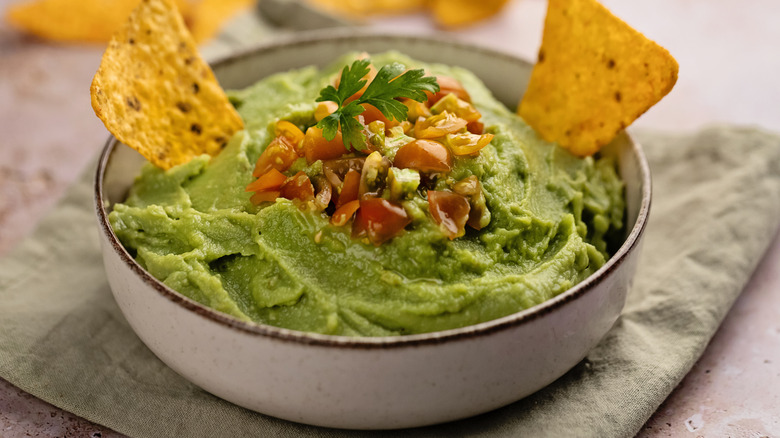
column 383, row 139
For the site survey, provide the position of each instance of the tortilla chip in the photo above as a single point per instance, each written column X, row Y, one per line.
column 96, row 21
column 155, row 93
column 365, row 8
column 458, row 13
column 594, row 76
column 66, row 20
column 208, row 16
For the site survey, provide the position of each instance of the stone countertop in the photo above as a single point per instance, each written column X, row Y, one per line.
column 728, row 74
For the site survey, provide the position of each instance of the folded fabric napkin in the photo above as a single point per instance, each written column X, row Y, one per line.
column 716, row 207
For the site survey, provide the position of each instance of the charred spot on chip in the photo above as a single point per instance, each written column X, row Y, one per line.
column 195, row 127
column 221, row 141
column 189, row 60
column 183, row 106
column 131, row 41
column 133, row 103
column 611, row 64
column 541, row 56
column 195, row 87
column 618, row 97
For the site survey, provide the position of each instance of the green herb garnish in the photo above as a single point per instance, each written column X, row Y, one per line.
column 381, row 93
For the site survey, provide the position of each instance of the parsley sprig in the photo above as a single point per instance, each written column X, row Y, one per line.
column 388, row 85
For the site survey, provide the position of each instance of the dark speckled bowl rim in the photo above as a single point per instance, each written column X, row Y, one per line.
column 385, row 342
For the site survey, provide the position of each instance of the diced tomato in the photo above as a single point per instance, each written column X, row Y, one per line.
column 371, row 113
column 438, row 125
column 466, row 144
column 424, row 155
column 448, row 85
column 380, row 220
column 289, row 131
column 450, row 211
column 344, row 213
column 336, row 170
column 475, row 127
column 316, row 147
column 324, row 109
column 260, row 197
column 349, row 189
column 271, row 180
column 471, row 188
column 298, row 187
column 279, row 155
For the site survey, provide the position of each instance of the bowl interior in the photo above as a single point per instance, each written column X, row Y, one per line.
column 505, row 75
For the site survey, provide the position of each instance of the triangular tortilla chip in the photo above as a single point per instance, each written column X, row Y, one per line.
column 208, row 16
column 156, row 94
column 459, row 13
column 95, row 21
column 66, row 20
column 594, row 76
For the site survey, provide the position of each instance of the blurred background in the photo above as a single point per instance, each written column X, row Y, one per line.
column 729, row 63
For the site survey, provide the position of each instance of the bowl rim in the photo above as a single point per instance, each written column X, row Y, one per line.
column 381, row 342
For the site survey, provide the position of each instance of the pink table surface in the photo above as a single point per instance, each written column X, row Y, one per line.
column 729, row 68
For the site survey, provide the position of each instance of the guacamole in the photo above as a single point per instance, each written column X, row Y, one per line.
column 552, row 218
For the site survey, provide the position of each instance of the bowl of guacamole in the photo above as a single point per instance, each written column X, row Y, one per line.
column 451, row 264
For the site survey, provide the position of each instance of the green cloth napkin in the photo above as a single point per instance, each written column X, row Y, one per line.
column 716, row 207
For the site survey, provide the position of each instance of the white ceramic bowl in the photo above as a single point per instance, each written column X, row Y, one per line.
column 372, row 383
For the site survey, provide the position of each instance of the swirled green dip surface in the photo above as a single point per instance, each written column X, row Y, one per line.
column 194, row 228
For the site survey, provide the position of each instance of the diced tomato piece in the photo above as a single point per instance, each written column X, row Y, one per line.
column 450, row 211
column 438, row 125
column 316, row 147
column 289, row 131
column 380, row 220
column 349, row 189
column 324, row 109
column 466, row 144
column 279, row 155
column 371, row 114
column 271, row 180
column 448, row 85
column 344, row 213
column 298, row 187
column 336, row 170
column 424, row 155
column 471, row 188
column 475, row 128
column 260, row 197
